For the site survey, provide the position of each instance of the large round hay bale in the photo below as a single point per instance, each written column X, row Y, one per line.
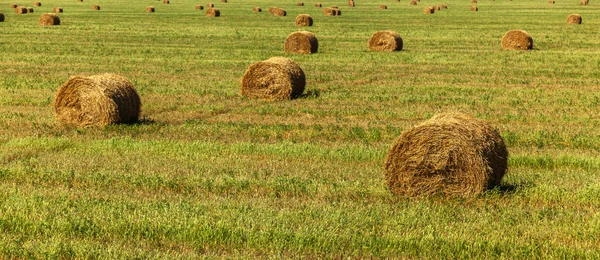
column 385, row 41
column 13, row 6
column 256, row 9
column 383, row 7
column 429, row 10
column 20, row 10
column 213, row 12
column 96, row 7
column 329, row 11
column 97, row 101
column 150, row 9
column 277, row 78
column 1, row 17
column 49, row 19
column 57, row 10
column 304, row 20
column 574, row 19
column 300, row 3
column 199, row 7
column 277, row 11
column 517, row 40
column 30, row 10
column 301, row 43
column 474, row 9
column 451, row 154
column 318, row 5
column 37, row 4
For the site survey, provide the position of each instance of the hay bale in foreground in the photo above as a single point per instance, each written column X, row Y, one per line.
column 256, row 9
column 1, row 17
column 97, row 101
column 57, row 10
column 383, row 7
column 37, row 4
column 429, row 10
column 385, row 41
column 474, row 9
column 277, row 78
column 20, row 10
column 277, row 11
column 213, row 12
column 301, row 43
column 199, row 7
column 574, row 19
column 49, row 19
column 517, row 40
column 96, row 7
column 304, row 20
column 451, row 154
column 150, row 9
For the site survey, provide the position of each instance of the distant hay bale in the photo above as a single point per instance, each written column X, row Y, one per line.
column 338, row 12
column 451, row 154
column 58, row 10
column 166, row 2
column 96, row 7
column 329, row 11
column 213, row 12
column 277, row 78
column 304, row 20
column 574, row 19
column 318, row 5
column 30, row 10
column 20, row 10
column 13, row 6
column 474, row 8
column 429, row 10
column 301, row 43
column 383, row 7
column 97, row 101
column 437, row 7
column 210, row 5
column 351, row 4
column 443, row 6
column 199, row 7
column 223, row 1
column 277, row 11
column 551, row 2
column 37, row 4
column 413, row 2
column 473, row 1
column 300, row 4
column 49, row 19
column 517, row 40
column 256, row 9
column 1, row 17
column 385, row 41
column 584, row 2
column 335, row 7
column 150, row 9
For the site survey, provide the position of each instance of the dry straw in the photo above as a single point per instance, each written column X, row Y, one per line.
column 58, row 10
column 256, row 9
column 199, row 7
column 429, row 10
column 96, row 7
column 329, row 11
column 49, row 19
column 300, row 4
column 451, row 154
column 517, row 40
column 1, row 17
column 20, row 10
column 385, row 41
column 97, row 101
column 213, row 12
column 277, row 11
column 474, row 8
column 37, row 4
column 574, row 19
column 301, row 43
column 443, row 6
column 150, row 9
column 351, row 3
column 383, row 7
column 318, row 5
column 304, row 20
column 277, row 78
column 30, row 10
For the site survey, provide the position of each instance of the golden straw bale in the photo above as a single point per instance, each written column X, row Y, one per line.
column 213, row 12
column 517, row 40
column 429, row 10
column 30, row 10
column 256, row 9
column 318, row 5
column 150, row 9
column 96, row 7
column 443, row 6
column 97, row 101
column 223, row 1
column 473, row 1
column 584, row 3
column 13, row 6
column 451, row 154
column 210, row 5
column 199, row 7
column 58, row 10
column 277, row 11
column 385, row 41
column 474, row 8
column 166, row 2
column 300, row 4
column 49, row 19
column 351, row 4
column 37, row 4
column 329, row 11
column 383, row 7
column 574, row 19
column 301, row 43
column 277, row 78
column 551, row 2
column 20, row 10
column 304, row 20
column 413, row 2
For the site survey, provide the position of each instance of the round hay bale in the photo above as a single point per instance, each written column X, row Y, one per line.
column 351, row 4
column 20, row 10
column 473, row 1
column 277, row 78
column 300, row 4
column 574, row 19
column 13, row 6
column 304, row 20
column 301, row 43
column 1, row 17
column 199, row 7
column 223, row 1
column 49, row 19
column 30, row 10
column 583, row 3
column 277, row 11
column 318, row 5
column 329, row 11
column 551, row 2
column 437, row 7
column 383, row 7
column 166, row 2
column 256, row 9
column 451, row 154
column 97, row 101
column 385, row 41
column 474, row 8
column 413, row 2
column 429, row 10
column 443, row 6
column 96, row 7
column 37, row 4
column 517, row 40
column 150, row 9
column 210, row 5
column 213, row 12
column 338, row 12
column 58, row 10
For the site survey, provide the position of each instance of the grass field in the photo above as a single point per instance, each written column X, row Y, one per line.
column 208, row 173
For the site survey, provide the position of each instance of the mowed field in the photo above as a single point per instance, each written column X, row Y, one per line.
column 209, row 173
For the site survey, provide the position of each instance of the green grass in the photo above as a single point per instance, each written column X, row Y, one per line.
column 208, row 173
